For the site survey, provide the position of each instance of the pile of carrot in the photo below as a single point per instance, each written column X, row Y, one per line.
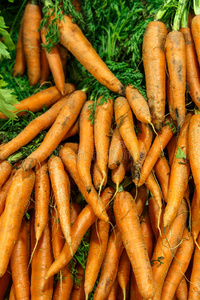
column 136, row 169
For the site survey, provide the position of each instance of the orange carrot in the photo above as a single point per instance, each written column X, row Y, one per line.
column 182, row 290
column 12, row 295
column 124, row 272
column 55, row 64
column 45, row 70
column 19, row 265
column 176, row 62
column 154, row 59
column 98, row 244
column 73, row 146
column 147, row 233
column 195, row 29
column 140, row 195
column 5, row 171
column 152, row 184
column 125, row 211
column 64, row 55
column 97, row 176
column 110, row 266
column 170, row 99
column 171, row 147
column 154, row 215
column 85, row 219
column 31, row 41
column 102, row 127
column 124, row 120
column 37, row 101
column 115, row 150
column 20, row 62
column 114, row 291
column 118, row 173
column 194, row 289
column 159, row 144
column 134, row 292
column 72, row 131
column 162, row 171
column 73, row 39
column 145, row 136
column 86, row 146
column 69, row 159
column 138, row 104
column 16, row 203
column 63, row 122
column 195, row 215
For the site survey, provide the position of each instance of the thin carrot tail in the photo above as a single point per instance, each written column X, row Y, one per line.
column 124, row 294
column 86, row 296
column 196, row 243
column 102, row 182
column 36, row 243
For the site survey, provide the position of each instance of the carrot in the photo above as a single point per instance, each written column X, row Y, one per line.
column 97, row 176
column 162, row 171
column 69, row 159
column 78, row 288
column 134, row 292
column 195, row 29
column 145, row 136
column 31, row 41
column 102, row 126
column 4, row 283
column 194, row 289
column 138, row 104
column 59, row 183
column 38, row 124
column 176, row 62
column 12, row 295
column 115, row 150
column 141, row 196
column 147, row 233
column 72, row 131
column 170, row 99
column 159, row 144
column 192, row 67
column 55, row 64
column 166, row 248
column 152, row 184
column 171, row 147
column 20, row 62
column 114, row 291
column 16, row 203
column 195, row 215
column 73, row 146
column 154, row 215
column 42, row 259
column 179, row 175
column 124, row 120
column 86, row 146
column 42, row 197
column 37, row 101
column 98, row 244
column 5, row 171
column 19, row 265
column 64, row 121
column 179, row 266
column 85, row 219
column 73, row 39
column 125, row 211
column 110, row 266
column 45, row 70
column 124, row 272
column 154, row 59
column 64, row 55
column 118, row 173
column 182, row 290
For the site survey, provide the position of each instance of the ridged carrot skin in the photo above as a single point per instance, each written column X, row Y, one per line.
column 73, row 39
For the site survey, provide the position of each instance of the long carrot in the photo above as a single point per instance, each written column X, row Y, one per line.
column 154, row 59
column 64, row 121
column 31, row 41
column 171, row 147
column 19, row 265
column 154, row 215
column 12, row 295
column 126, row 213
column 73, row 39
column 37, row 101
column 85, row 219
column 118, row 173
column 147, row 233
column 16, row 203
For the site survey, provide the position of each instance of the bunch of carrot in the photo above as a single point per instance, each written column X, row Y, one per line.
column 136, row 168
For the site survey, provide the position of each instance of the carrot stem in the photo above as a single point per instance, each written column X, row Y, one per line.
column 177, row 18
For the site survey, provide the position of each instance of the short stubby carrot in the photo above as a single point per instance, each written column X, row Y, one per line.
column 73, row 39
column 138, row 104
column 16, row 203
column 176, row 62
column 31, row 41
column 154, row 61
column 85, row 219
column 5, row 171
column 124, row 120
column 127, row 221
column 37, row 101
column 58, row 130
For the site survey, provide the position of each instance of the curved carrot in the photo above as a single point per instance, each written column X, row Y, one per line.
column 182, row 290
column 115, row 150
column 123, row 274
column 118, row 173
column 145, row 137
column 19, row 265
column 58, row 130
column 85, row 219
column 176, row 62
column 124, row 120
column 5, row 171
column 162, row 171
column 20, row 62
column 16, row 203
column 55, row 64
column 45, row 70
column 138, row 104
column 152, row 184
column 73, row 39
column 154, row 66
column 86, row 145
column 125, row 211
column 31, row 41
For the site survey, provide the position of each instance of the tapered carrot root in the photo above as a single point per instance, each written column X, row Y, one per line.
column 12, row 295
column 97, row 177
column 20, row 62
column 123, row 274
column 85, row 219
column 16, row 203
column 154, row 66
column 73, row 39
column 182, row 290
column 31, row 41
column 128, row 222
column 154, row 215
column 58, row 130
column 114, row 293
column 5, row 171
column 176, row 62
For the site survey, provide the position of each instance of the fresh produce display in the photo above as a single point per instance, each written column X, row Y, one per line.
column 99, row 155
